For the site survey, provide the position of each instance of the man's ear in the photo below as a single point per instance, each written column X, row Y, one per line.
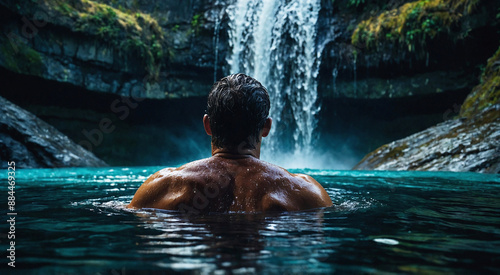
column 267, row 127
column 206, row 125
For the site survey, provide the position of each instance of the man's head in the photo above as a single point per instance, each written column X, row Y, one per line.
column 237, row 111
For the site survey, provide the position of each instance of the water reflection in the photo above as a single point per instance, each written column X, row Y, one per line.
column 229, row 241
column 382, row 222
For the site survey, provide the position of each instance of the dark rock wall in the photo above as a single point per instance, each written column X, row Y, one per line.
column 51, row 40
column 32, row 143
column 455, row 145
column 53, row 43
column 173, row 49
column 468, row 143
column 383, row 67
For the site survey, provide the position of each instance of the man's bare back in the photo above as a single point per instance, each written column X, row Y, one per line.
column 234, row 178
column 228, row 183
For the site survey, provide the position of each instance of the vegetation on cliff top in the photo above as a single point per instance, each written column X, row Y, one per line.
column 411, row 25
column 135, row 32
column 487, row 93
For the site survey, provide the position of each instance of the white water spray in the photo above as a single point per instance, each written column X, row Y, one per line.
column 274, row 41
column 218, row 20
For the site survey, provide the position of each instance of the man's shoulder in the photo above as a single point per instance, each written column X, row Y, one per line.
column 279, row 172
column 304, row 191
column 166, row 188
column 194, row 166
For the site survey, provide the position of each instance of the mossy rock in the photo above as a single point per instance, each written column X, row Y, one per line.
column 21, row 58
column 487, row 93
column 411, row 25
column 130, row 33
column 455, row 145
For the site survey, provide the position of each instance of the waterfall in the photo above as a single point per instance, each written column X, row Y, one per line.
column 218, row 20
column 274, row 41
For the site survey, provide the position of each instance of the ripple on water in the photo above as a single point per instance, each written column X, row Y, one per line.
column 411, row 222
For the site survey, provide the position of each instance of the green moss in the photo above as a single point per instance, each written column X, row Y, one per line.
column 373, row 159
column 196, row 23
column 397, row 151
column 487, row 93
column 24, row 59
column 65, row 8
column 127, row 32
column 356, row 2
column 412, row 24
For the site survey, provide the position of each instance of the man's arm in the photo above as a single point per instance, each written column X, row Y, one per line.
column 158, row 191
column 299, row 192
column 313, row 195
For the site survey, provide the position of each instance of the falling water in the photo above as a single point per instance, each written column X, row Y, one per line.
column 275, row 42
column 218, row 20
column 335, row 74
column 355, row 82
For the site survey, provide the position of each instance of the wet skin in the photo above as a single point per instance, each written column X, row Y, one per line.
column 230, row 180
column 221, row 184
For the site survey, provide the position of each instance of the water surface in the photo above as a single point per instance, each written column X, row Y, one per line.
column 74, row 221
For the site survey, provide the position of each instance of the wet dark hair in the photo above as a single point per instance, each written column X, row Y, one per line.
column 238, row 106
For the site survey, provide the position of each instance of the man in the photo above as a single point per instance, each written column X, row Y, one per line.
column 234, row 178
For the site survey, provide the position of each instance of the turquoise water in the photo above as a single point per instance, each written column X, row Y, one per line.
column 73, row 221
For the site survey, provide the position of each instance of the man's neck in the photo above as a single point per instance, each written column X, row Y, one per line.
column 236, row 153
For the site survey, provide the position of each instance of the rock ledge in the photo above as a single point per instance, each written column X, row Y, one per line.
column 32, row 143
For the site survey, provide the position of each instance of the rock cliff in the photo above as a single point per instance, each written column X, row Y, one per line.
column 141, row 48
column 32, row 143
column 460, row 144
column 164, row 49
column 403, row 48
column 372, row 51
column 470, row 142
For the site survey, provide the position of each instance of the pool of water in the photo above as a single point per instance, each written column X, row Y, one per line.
column 73, row 221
